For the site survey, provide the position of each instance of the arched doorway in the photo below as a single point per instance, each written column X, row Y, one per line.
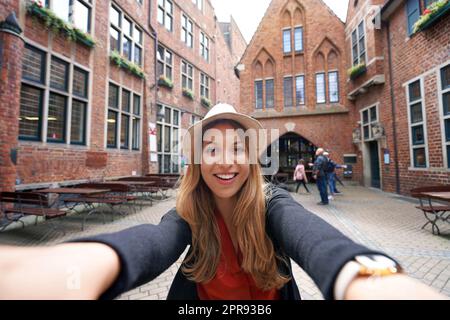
column 291, row 148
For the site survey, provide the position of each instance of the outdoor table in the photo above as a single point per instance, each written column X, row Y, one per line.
column 67, row 192
column 440, row 213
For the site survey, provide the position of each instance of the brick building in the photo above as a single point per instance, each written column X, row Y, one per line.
column 388, row 119
column 293, row 77
column 94, row 105
column 401, row 101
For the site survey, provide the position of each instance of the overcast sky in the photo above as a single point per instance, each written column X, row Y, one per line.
column 248, row 13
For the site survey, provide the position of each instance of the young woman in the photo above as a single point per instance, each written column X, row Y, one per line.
column 241, row 232
column 300, row 175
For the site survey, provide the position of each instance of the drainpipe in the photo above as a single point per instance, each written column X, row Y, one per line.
column 393, row 109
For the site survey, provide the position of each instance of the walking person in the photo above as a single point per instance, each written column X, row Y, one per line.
column 241, row 235
column 319, row 174
column 300, row 175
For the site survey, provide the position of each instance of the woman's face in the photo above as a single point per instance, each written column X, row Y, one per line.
column 224, row 166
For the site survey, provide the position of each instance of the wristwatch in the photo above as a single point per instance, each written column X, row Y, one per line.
column 364, row 266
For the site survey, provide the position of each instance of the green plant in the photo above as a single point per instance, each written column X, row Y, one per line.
column 165, row 82
column 430, row 13
column 206, row 102
column 57, row 25
column 357, row 70
column 188, row 93
column 124, row 63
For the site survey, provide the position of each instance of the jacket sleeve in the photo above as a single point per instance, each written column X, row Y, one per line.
column 317, row 247
column 145, row 251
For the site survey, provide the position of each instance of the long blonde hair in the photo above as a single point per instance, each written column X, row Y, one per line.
column 195, row 204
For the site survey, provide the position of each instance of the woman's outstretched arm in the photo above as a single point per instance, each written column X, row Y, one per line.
column 102, row 266
column 67, row 271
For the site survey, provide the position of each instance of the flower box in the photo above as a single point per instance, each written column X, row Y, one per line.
column 206, row 102
column 188, row 93
column 355, row 71
column 431, row 15
column 165, row 82
column 124, row 63
column 58, row 25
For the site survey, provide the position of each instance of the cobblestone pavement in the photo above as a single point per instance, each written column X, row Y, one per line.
column 381, row 221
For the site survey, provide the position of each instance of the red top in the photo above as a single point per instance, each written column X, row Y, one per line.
column 230, row 281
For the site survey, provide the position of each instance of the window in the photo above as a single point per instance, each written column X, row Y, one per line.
column 165, row 14
column 187, row 31
column 359, row 45
column 76, row 12
column 300, row 90
column 198, row 4
column 168, row 138
column 320, row 88
column 412, row 14
column 125, row 36
column 259, row 94
column 204, row 85
column 270, row 93
column 187, row 76
column 417, row 125
column 298, row 39
column 124, row 112
column 369, row 117
column 333, row 86
column 287, row 47
column 204, row 46
column 165, row 61
column 66, row 106
column 445, row 93
column 287, row 90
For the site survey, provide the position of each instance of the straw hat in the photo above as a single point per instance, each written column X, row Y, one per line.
column 220, row 112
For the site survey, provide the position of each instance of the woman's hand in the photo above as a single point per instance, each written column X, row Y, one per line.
column 395, row 287
column 68, row 271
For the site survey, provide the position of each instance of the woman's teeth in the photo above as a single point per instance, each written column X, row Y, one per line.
column 226, row 176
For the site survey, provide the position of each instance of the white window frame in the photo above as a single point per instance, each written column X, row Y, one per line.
column 370, row 123
column 122, row 35
column 358, row 37
column 163, row 124
column 329, row 86
column 290, row 40
column 206, row 85
column 265, row 93
column 292, row 92
column 442, row 118
column 303, row 39
column 49, row 4
column 302, row 75
column 165, row 64
column 256, row 95
column 198, row 4
column 204, row 46
column 187, row 33
column 166, row 14
column 46, row 88
column 186, row 75
column 423, row 124
column 130, row 114
column 324, row 87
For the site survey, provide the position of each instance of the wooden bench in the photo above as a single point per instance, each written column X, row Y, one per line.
column 433, row 209
column 24, row 204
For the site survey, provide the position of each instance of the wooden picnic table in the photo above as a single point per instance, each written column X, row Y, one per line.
column 132, row 183
column 442, row 196
column 79, row 191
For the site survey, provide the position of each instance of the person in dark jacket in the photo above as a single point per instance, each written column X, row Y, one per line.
column 320, row 175
column 241, row 235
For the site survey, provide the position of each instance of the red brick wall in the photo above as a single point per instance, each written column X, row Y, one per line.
column 323, row 34
column 10, row 74
column 412, row 57
column 39, row 162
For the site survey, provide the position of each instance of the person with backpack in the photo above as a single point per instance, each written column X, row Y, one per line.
column 319, row 174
